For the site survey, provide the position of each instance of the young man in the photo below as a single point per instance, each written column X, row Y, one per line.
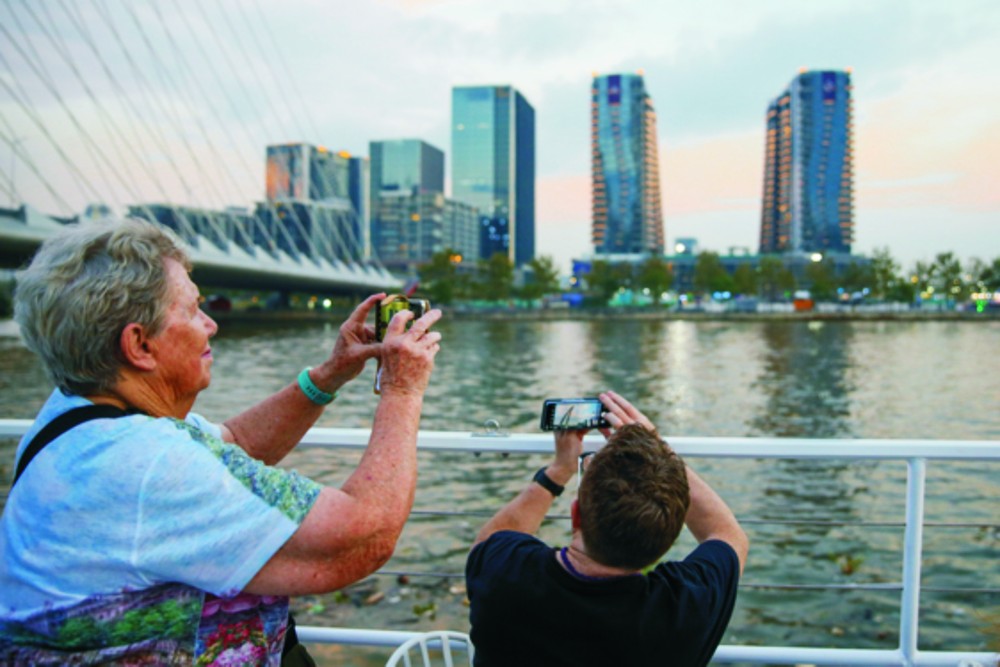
column 590, row 603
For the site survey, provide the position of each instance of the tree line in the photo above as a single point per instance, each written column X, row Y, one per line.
column 445, row 280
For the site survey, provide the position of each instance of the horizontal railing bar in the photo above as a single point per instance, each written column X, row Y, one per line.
column 749, row 521
column 709, row 447
column 787, row 655
column 888, row 586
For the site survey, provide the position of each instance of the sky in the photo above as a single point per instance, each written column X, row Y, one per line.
column 176, row 100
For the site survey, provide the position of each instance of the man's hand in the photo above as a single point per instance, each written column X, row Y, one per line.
column 408, row 355
column 569, row 446
column 355, row 345
column 621, row 412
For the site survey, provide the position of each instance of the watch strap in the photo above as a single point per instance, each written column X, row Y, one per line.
column 546, row 483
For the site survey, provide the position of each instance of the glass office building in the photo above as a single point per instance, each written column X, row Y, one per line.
column 493, row 166
column 317, row 198
column 306, row 172
column 408, row 165
column 808, row 198
column 411, row 219
column 626, row 208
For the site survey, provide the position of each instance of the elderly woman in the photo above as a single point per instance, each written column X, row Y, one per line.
column 147, row 534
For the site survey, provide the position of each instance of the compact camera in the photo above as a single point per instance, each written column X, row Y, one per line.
column 392, row 304
column 568, row 414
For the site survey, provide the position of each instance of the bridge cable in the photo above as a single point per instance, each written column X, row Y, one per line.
column 278, row 80
column 135, row 112
column 294, row 220
column 27, row 106
column 125, row 184
column 75, row 171
column 282, row 232
column 172, row 116
column 243, row 237
column 26, row 159
column 114, row 132
column 291, row 79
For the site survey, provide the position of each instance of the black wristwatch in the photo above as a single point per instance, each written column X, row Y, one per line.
column 546, row 483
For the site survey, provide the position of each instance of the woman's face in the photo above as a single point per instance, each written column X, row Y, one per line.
column 184, row 354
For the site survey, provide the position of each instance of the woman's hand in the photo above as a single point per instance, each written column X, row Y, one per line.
column 355, row 345
column 408, row 355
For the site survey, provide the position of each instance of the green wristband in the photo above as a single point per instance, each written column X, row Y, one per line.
column 312, row 392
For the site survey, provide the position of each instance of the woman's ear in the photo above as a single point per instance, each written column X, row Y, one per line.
column 137, row 348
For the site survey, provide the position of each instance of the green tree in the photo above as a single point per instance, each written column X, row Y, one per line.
column 902, row 291
column 857, row 276
column 819, row 275
column 948, row 279
column 655, row 275
column 770, row 273
column 440, row 276
column 786, row 281
column 885, row 274
column 545, row 278
column 709, row 274
column 605, row 278
column 989, row 276
column 496, row 277
column 745, row 280
column 923, row 277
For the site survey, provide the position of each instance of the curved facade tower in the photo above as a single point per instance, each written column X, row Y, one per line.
column 627, row 213
column 808, row 199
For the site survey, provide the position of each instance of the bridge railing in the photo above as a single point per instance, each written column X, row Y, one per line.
column 916, row 454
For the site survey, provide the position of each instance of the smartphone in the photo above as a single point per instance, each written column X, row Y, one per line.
column 567, row 414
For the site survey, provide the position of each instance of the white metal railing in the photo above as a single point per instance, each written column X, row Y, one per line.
column 915, row 453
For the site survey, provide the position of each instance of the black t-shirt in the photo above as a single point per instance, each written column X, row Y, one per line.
column 527, row 610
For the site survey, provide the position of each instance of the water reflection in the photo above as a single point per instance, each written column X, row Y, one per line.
column 805, row 380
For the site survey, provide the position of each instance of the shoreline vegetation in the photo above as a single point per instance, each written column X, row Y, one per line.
column 557, row 314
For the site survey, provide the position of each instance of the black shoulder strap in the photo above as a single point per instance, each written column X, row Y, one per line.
column 60, row 425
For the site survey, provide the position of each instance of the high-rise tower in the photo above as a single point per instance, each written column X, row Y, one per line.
column 808, row 199
column 493, row 166
column 627, row 213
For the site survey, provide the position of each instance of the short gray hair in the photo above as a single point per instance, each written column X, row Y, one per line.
column 81, row 290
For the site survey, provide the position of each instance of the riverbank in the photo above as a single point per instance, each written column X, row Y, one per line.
column 9, row 329
column 557, row 314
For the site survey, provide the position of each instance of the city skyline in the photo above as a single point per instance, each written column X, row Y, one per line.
column 926, row 101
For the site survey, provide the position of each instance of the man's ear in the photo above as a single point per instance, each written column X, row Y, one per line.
column 137, row 348
column 574, row 514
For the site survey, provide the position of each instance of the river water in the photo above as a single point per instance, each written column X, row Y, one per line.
column 929, row 380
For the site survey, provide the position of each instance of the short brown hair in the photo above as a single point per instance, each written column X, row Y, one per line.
column 633, row 499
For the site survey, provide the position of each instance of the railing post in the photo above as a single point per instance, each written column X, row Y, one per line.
column 909, row 612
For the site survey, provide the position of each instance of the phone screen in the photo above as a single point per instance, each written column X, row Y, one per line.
column 572, row 413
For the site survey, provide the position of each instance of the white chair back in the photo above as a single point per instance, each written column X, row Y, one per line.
column 431, row 649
